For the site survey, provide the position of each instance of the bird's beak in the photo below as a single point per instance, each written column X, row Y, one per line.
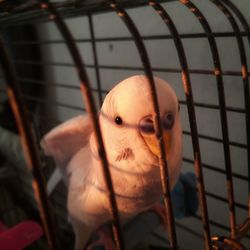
column 153, row 144
column 148, row 134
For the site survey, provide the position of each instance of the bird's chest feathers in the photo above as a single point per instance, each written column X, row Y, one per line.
column 136, row 190
column 135, row 183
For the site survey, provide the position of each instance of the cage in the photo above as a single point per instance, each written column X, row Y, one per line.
column 200, row 47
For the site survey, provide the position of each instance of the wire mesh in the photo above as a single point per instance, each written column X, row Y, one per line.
column 29, row 147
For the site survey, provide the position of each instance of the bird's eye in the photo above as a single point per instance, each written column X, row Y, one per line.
column 147, row 125
column 118, row 120
column 168, row 121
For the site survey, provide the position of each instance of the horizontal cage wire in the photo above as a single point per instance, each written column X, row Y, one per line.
column 59, row 59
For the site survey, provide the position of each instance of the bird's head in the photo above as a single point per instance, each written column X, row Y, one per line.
column 127, row 121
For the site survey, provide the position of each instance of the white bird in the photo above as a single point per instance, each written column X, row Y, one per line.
column 126, row 122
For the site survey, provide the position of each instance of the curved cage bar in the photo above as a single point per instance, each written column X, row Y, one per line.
column 192, row 118
column 29, row 147
column 96, row 65
column 162, row 160
column 227, row 242
column 220, row 85
column 246, row 27
column 223, row 115
column 86, row 93
column 240, row 16
column 244, row 70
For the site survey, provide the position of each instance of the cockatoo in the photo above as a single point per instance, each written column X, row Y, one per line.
column 128, row 131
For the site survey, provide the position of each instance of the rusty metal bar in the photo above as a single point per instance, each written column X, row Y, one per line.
column 97, row 71
column 66, row 86
column 240, row 16
column 123, row 38
column 227, row 242
column 196, row 104
column 117, row 67
column 162, row 159
column 246, row 27
column 216, row 169
column 223, row 115
column 29, row 11
column 192, row 118
column 243, row 229
column 59, row 104
column 181, row 102
column 86, row 93
column 244, row 69
column 29, row 147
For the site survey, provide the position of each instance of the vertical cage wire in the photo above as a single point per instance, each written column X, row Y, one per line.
column 97, row 71
column 86, row 93
column 223, row 115
column 162, row 159
column 220, row 86
column 246, row 27
column 192, row 118
column 232, row 243
column 29, row 148
column 244, row 73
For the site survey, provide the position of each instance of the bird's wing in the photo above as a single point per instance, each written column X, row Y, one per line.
column 65, row 140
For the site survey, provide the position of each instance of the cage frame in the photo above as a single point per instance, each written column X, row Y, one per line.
column 28, row 138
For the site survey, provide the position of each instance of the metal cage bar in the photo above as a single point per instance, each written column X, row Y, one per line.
column 182, row 102
column 26, row 11
column 192, row 118
column 233, row 244
column 97, row 71
column 156, row 69
column 246, row 27
column 125, row 38
column 162, row 159
column 86, row 92
column 31, row 81
column 29, row 147
column 223, row 115
column 244, row 69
